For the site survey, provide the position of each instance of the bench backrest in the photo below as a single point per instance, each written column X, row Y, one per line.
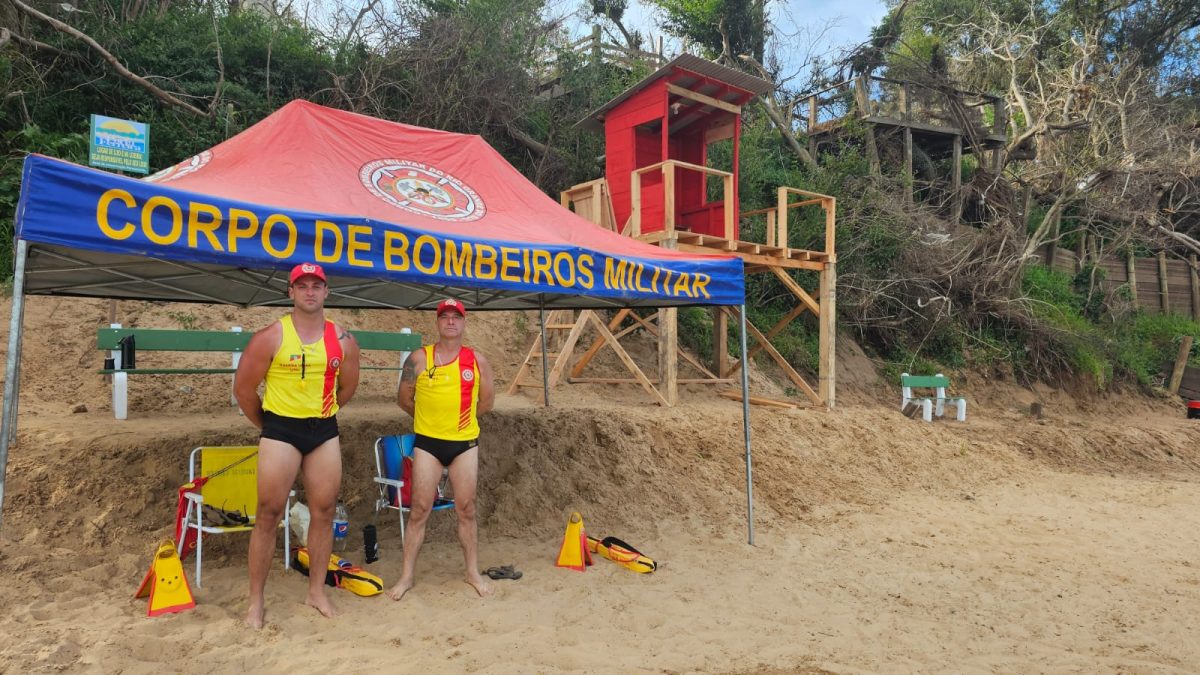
column 931, row 381
column 162, row 339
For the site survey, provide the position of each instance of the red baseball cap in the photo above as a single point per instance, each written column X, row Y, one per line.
column 306, row 270
column 451, row 305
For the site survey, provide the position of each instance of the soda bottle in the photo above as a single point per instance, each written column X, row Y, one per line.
column 341, row 527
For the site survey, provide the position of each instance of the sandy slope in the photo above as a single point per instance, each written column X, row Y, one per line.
column 882, row 544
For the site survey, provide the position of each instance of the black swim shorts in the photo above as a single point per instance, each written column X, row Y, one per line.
column 305, row 434
column 444, row 451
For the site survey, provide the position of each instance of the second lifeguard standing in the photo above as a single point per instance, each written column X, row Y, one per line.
column 445, row 387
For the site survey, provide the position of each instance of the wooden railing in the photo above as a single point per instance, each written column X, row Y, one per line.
column 668, row 173
column 904, row 101
column 597, row 51
column 777, row 217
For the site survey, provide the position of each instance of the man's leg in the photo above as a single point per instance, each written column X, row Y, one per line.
column 322, row 476
column 426, row 473
column 277, row 465
column 464, row 477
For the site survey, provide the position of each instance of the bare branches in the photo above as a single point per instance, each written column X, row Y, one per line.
column 776, row 117
column 164, row 96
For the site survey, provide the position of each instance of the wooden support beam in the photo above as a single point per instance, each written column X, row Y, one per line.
column 650, row 328
column 757, row 400
column 1131, row 272
column 781, row 199
column 797, row 290
column 635, row 202
column 1195, row 288
column 771, row 233
column 787, row 368
column 827, row 322
column 908, row 164
column 830, row 207
column 775, row 330
column 1185, row 348
column 956, row 181
column 564, row 353
column 597, row 344
column 729, row 206
column 701, row 98
column 720, row 342
column 624, row 356
column 758, row 259
column 1164, row 289
column 668, row 174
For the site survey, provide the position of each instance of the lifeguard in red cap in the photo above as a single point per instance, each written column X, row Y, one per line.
column 310, row 366
column 445, row 387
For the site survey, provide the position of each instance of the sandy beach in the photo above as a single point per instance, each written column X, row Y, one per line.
column 881, row 544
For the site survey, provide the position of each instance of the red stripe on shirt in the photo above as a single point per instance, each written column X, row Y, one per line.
column 333, row 362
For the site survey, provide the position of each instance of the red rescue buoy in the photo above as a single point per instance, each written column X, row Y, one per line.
column 1194, row 410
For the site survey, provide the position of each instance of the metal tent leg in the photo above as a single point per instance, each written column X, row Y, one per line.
column 746, row 426
column 12, row 368
column 545, row 357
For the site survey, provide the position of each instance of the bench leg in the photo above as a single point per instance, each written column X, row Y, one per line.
column 927, row 410
column 120, row 395
column 962, row 410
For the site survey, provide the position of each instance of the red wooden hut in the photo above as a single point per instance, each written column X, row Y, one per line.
column 676, row 113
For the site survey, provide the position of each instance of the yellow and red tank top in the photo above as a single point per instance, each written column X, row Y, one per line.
column 447, row 396
column 302, row 379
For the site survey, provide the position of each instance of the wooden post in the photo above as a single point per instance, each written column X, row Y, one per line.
column 1185, row 348
column 956, row 180
column 812, row 125
column 830, row 207
column 770, row 228
column 1131, row 274
column 668, row 342
column 1163, row 290
column 781, row 207
column 908, row 161
column 905, row 102
column 729, row 205
column 1195, row 289
column 827, row 364
column 873, row 152
column 635, row 201
column 668, row 174
column 720, row 342
column 596, row 45
column 862, row 95
column 1081, row 252
column 598, row 203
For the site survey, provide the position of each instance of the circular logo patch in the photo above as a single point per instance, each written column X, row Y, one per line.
column 422, row 189
column 468, row 375
column 335, row 363
column 189, row 165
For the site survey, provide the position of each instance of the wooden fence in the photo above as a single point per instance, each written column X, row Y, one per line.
column 1160, row 284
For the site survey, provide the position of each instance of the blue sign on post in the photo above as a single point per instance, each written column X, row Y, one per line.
column 119, row 144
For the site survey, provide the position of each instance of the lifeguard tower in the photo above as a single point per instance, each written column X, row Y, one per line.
column 660, row 187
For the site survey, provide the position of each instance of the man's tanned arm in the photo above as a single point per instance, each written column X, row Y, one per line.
column 406, row 396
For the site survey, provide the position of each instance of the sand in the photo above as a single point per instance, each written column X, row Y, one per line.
column 881, row 544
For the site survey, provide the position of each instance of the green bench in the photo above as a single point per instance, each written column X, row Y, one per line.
column 123, row 345
column 930, row 405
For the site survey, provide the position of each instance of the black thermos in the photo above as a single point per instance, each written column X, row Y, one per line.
column 128, row 352
column 370, row 546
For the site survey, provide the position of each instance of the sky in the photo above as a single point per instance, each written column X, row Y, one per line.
column 807, row 28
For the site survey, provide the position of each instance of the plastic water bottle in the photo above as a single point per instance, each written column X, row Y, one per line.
column 341, row 527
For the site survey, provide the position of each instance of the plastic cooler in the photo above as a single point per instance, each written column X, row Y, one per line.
column 1193, row 410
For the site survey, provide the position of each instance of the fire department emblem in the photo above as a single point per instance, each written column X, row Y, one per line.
column 189, row 165
column 421, row 189
column 468, row 375
column 335, row 363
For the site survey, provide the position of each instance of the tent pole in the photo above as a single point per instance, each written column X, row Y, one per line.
column 11, row 370
column 545, row 358
column 746, row 426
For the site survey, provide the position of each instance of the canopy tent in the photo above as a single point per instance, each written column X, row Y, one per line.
column 399, row 216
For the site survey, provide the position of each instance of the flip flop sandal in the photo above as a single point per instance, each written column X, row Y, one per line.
column 503, row 572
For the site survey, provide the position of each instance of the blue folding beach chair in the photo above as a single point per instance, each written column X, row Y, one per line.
column 393, row 473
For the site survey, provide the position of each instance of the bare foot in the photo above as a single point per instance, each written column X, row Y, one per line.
column 401, row 587
column 481, row 585
column 320, row 602
column 254, row 616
